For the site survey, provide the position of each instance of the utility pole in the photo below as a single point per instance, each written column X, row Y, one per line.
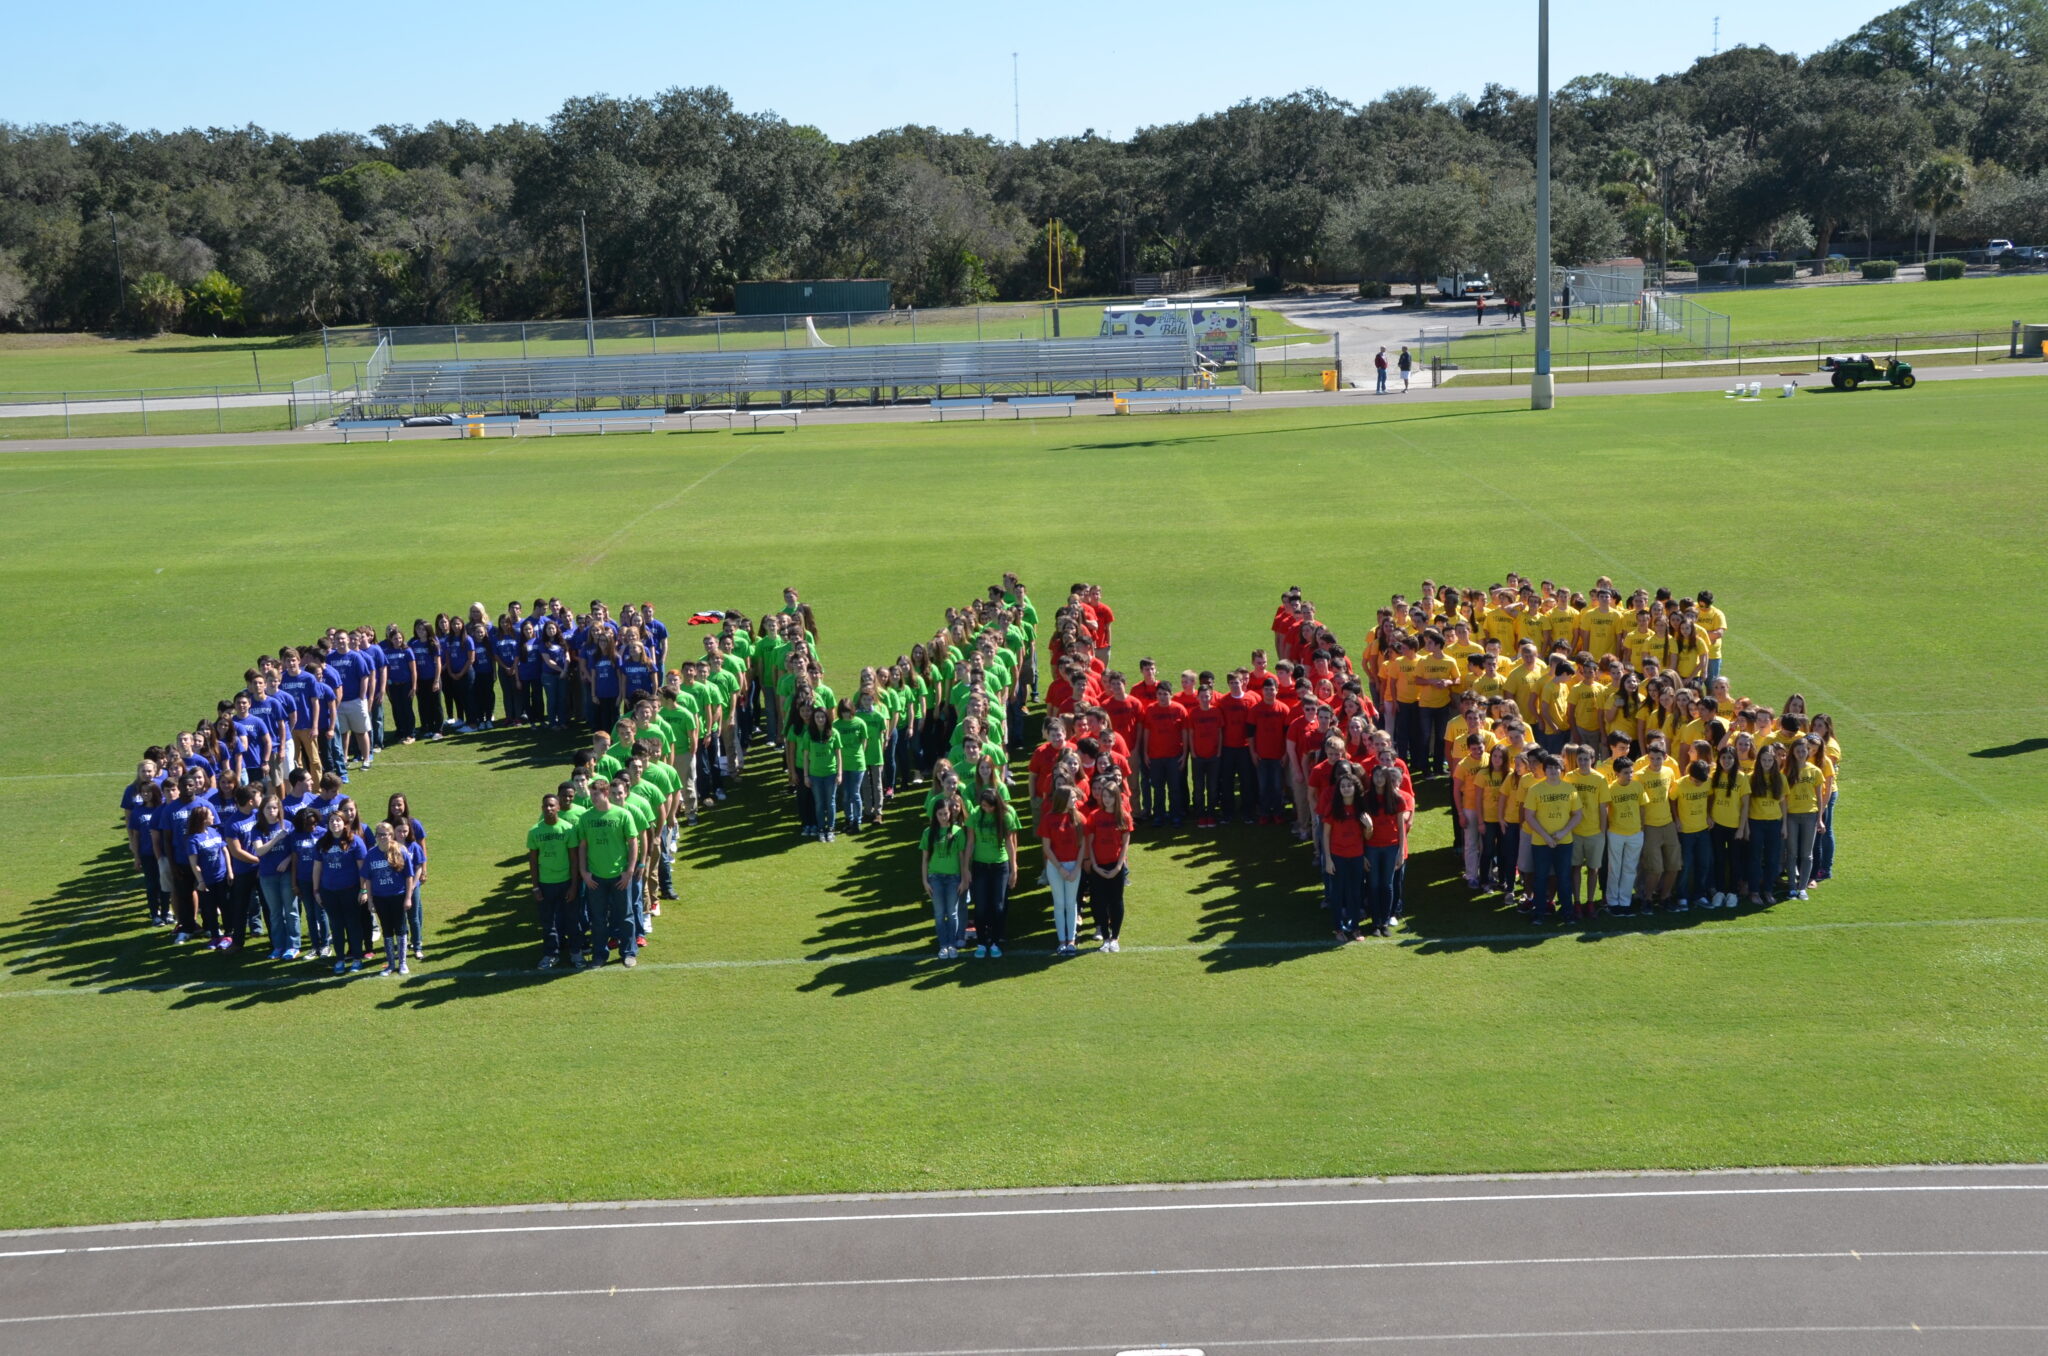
column 1016, row 105
column 120, row 274
column 1542, row 391
column 1717, row 35
column 589, row 306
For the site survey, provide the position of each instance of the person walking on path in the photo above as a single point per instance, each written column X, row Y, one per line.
column 1406, row 362
column 1379, row 363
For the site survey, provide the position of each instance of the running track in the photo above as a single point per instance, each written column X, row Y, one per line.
column 1910, row 1260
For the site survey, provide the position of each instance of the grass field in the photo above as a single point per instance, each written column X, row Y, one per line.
column 788, row 1033
column 89, row 362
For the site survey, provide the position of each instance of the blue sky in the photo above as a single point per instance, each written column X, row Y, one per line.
column 849, row 69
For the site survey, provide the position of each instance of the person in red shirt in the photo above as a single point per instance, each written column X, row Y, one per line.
column 1066, row 689
column 1104, row 617
column 1122, row 707
column 1386, row 846
column 1108, row 834
column 1290, row 691
column 1205, row 739
column 1063, row 827
column 1270, row 720
column 1163, row 745
column 1287, row 621
column 1237, row 783
column 1092, row 722
column 1383, row 755
column 1044, row 759
column 1189, row 682
column 1304, row 737
column 1148, row 679
column 1346, row 827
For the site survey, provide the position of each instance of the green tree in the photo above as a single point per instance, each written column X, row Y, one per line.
column 1419, row 229
column 214, row 304
column 156, row 301
column 1939, row 186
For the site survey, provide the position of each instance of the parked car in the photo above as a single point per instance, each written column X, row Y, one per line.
column 1997, row 247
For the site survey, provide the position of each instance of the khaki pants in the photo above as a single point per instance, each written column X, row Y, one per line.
column 1660, row 851
column 307, row 746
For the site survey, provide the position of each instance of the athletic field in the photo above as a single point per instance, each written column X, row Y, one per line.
column 788, row 1030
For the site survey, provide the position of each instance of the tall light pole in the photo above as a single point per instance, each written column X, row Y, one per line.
column 589, row 306
column 1542, row 390
column 120, row 274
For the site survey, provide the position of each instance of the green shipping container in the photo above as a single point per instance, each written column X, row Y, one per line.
column 811, row 296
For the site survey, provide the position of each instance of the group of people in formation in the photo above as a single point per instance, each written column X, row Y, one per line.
column 1598, row 761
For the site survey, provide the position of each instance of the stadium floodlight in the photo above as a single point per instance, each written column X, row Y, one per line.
column 1542, row 391
column 589, row 307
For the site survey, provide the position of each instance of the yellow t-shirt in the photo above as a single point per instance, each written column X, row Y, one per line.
column 1592, row 789
column 1603, row 627
column 1624, row 802
column 1551, row 804
column 1501, row 624
column 1642, row 643
column 1726, row 803
column 1513, row 795
column 1658, row 782
column 1404, row 678
column 1588, row 699
column 1435, row 666
column 1526, row 686
column 1802, row 796
column 1762, row 806
column 1462, row 651
column 1689, row 798
column 1465, row 778
column 1711, row 619
column 1485, row 685
column 1554, row 704
column 1493, row 794
column 1560, row 623
column 1611, row 717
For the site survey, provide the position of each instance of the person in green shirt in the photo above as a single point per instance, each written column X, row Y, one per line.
column 681, row 723
column 662, row 781
column 821, row 757
column 551, row 864
column 992, row 852
column 610, row 839
column 853, row 767
column 942, row 851
column 874, row 722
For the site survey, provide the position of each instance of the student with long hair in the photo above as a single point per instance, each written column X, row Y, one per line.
column 992, row 851
column 1805, row 789
column 1691, row 809
column 1107, row 857
column 1346, row 825
column 821, row 764
column 1501, row 833
column 1767, row 794
column 206, row 857
column 1061, row 826
column 1829, row 757
column 425, row 649
column 388, row 876
column 1390, row 808
column 942, row 851
column 344, row 897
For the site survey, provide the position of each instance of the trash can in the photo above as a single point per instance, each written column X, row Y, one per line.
column 1118, row 405
column 473, row 426
column 1329, row 379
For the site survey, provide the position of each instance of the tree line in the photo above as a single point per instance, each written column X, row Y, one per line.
column 1932, row 117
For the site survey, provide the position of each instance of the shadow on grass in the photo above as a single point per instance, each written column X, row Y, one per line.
column 2034, row 745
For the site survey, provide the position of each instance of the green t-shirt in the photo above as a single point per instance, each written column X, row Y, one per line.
column 728, row 689
column 663, row 778
column 824, row 696
column 945, row 846
column 853, row 742
column 931, row 798
column 820, row 756
column 734, row 666
column 681, row 724
column 965, row 758
column 991, row 833
column 609, row 766
column 573, row 812
column 647, row 797
column 555, row 843
column 607, row 838
column 876, row 722
column 1030, row 608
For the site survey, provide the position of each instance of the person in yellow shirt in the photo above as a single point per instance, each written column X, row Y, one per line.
column 1661, row 860
column 1601, row 626
column 1691, row 798
column 1525, row 679
column 1622, row 819
column 1685, row 648
column 1464, row 650
column 1561, row 620
column 1641, row 643
column 1713, row 625
column 1497, row 851
column 1625, row 711
column 1436, row 674
column 1766, row 824
column 1728, row 806
column 1589, row 841
column 1805, row 785
column 1468, row 799
column 1407, row 714
column 1830, row 760
column 1486, row 680
column 1588, row 700
column 1549, row 816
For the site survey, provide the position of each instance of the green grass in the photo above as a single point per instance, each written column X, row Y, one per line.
column 89, row 362
column 1897, row 1016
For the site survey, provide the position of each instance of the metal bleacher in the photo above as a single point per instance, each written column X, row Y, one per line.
column 885, row 372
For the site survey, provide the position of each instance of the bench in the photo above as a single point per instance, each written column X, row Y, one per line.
column 348, row 426
column 979, row 404
column 1194, row 398
column 651, row 420
column 1020, row 404
column 792, row 414
column 690, row 417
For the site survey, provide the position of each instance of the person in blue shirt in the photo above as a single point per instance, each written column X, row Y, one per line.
column 306, row 834
column 398, row 681
column 238, row 830
column 637, row 675
column 344, row 896
column 602, row 680
column 377, row 686
column 412, row 836
column 458, row 661
column 351, row 672
column 504, row 642
column 533, row 705
column 140, row 800
column 206, row 856
column 657, row 634
column 171, row 826
column 270, row 839
column 483, row 676
column 553, row 651
column 426, row 672
column 314, row 714
column 388, row 873
column 327, row 731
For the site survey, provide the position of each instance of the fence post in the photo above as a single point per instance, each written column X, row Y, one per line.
column 522, row 341
column 218, row 427
column 652, row 345
column 66, row 397
column 142, row 399
column 913, row 324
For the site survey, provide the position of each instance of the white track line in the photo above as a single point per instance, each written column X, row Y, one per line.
column 604, row 547
column 922, row 957
column 926, row 1216
column 1577, row 1334
column 1156, row 1273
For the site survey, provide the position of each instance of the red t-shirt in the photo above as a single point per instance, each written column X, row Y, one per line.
column 1387, row 829
column 1060, row 697
column 1142, row 693
column 1304, row 734
column 1062, row 837
column 1123, row 717
column 1104, row 618
column 1165, row 730
column 1044, row 759
column 1106, row 832
column 1237, row 718
column 1319, row 780
column 1205, row 728
column 1185, row 700
column 1269, row 730
column 1346, row 835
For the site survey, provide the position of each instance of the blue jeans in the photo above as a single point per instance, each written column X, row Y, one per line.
column 1205, row 785
column 1166, row 790
column 824, row 800
column 280, row 911
column 946, row 908
column 1386, row 869
column 851, row 782
column 1272, row 785
column 1766, row 851
column 1347, row 902
column 1237, row 787
column 611, row 918
column 1824, row 841
column 415, row 920
column 1713, row 669
column 1696, row 854
column 1380, row 379
column 318, row 934
column 554, row 689
column 561, row 920
column 636, row 906
column 991, row 901
column 1548, row 864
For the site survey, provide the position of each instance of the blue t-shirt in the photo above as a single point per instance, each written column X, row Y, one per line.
column 241, row 828
column 132, row 811
column 341, row 868
column 385, row 882
column 277, row 860
column 657, row 635
column 398, row 660
column 529, row 660
column 604, row 676
column 426, row 660
column 172, row 821
column 211, row 850
column 554, row 658
column 349, row 672
column 638, row 677
column 305, row 851
column 456, row 652
column 504, row 648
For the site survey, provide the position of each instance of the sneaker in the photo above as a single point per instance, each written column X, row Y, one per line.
column 720, row 793
column 1799, row 894
column 547, row 962
column 386, row 972
column 341, row 967
column 404, row 969
column 1113, row 945
column 354, row 966
column 995, row 952
column 419, row 953
column 692, row 819
column 639, row 942
column 434, row 738
column 289, row 953
column 182, row 937
column 629, row 961
column 981, row 953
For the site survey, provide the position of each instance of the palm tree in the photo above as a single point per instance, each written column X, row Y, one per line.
column 1939, row 186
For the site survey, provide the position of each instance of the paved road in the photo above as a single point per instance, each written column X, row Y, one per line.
column 1918, row 1260
column 1567, row 389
